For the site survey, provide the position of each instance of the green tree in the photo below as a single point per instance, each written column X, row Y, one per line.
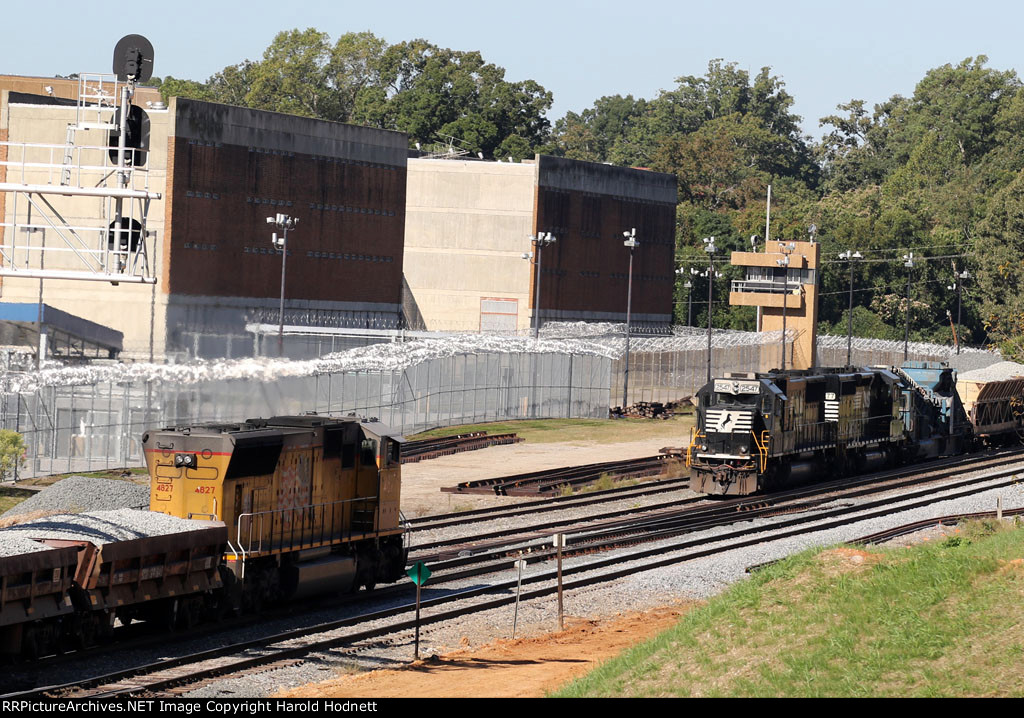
column 595, row 135
column 12, row 453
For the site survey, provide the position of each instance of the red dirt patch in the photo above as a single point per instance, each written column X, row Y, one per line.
column 842, row 560
column 523, row 668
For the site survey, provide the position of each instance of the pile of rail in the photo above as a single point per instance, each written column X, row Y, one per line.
column 645, row 410
column 413, row 451
column 553, row 480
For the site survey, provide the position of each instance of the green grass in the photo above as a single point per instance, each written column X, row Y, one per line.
column 135, row 474
column 940, row 619
column 11, row 497
column 546, row 431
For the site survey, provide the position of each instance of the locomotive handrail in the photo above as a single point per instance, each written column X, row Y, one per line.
column 762, row 448
column 299, row 517
column 689, row 449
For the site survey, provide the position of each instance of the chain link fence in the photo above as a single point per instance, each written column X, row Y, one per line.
column 99, row 425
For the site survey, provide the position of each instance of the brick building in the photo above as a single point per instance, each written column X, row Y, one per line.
column 468, row 225
column 220, row 171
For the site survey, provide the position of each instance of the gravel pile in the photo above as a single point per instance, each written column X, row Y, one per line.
column 82, row 493
column 17, row 545
column 994, row 372
column 97, row 527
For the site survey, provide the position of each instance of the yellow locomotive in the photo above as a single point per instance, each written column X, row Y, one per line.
column 311, row 503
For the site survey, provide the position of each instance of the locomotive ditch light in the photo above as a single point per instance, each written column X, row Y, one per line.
column 186, row 460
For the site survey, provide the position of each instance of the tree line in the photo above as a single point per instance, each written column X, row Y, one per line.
column 939, row 174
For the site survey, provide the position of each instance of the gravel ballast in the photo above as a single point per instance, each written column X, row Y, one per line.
column 84, row 493
column 98, row 527
column 1000, row 371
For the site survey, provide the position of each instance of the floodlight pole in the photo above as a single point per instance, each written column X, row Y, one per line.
column 909, row 264
column 958, row 285
column 284, row 223
column 709, row 247
column 850, row 257
column 630, row 242
column 786, row 249
column 539, row 242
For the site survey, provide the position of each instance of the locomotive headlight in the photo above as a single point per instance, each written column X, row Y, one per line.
column 186, row 460
column 703, row 447
column 743, row 449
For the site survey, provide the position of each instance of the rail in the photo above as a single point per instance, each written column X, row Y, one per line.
column 301, row 527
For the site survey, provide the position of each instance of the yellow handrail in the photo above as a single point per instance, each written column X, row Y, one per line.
column 762, row 448
column 689, row 449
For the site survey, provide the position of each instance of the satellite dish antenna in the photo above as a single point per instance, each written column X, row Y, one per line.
column 133, row 58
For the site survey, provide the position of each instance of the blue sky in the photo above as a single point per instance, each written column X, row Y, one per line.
column 826, row 52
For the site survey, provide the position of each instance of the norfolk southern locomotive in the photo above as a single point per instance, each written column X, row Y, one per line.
column 757, row 432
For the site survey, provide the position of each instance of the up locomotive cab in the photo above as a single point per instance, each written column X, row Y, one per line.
column 728, row 452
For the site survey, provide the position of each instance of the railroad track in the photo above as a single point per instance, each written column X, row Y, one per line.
column 547, row 481
column 700, row 509
column 551, row 503
column 280, row 649
column 420, row 450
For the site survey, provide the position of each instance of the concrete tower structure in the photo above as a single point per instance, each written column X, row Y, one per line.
column 783, row 280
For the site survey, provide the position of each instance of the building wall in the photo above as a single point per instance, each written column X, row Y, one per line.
column 585, row 273
column 232, row 168
column 222, row 170
column 467, row 226
column 65, row 88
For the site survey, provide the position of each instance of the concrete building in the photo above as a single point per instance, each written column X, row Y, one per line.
column 219, row 172
column 468, row 224
column 783, row 281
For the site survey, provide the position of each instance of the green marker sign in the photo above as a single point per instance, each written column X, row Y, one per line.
column 419, row 573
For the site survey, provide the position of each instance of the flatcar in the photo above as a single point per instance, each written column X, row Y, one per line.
column 757, row 432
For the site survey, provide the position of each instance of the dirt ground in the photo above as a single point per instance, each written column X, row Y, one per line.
column 422, row 481
column 523, row 668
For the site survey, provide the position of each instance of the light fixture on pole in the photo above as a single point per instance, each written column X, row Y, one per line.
column 631, row 243
column 958, row 285
column 850, row 257
column 284, row 223
column 709, row 247
column 908, row 262
column 786, row 249
column 688, row 286
column 542, row 240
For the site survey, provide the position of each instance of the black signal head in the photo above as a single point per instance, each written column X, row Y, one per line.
column 133, row 58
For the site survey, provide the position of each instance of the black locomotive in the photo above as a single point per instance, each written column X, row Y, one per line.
column 757, row 432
